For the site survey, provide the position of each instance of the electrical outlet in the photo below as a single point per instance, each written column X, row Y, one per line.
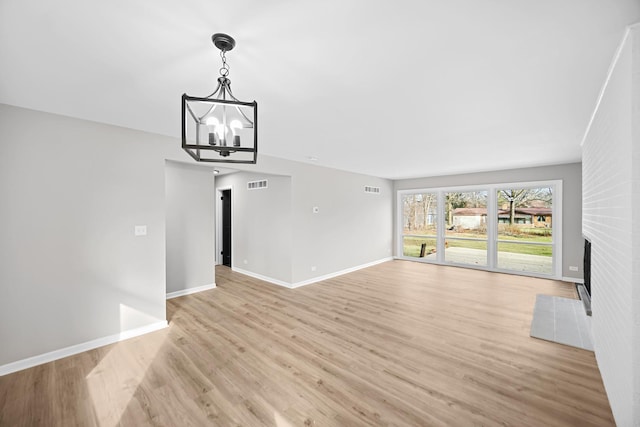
column 245, row 262
column 573, row 268
column 313, row 268
column 316, row 209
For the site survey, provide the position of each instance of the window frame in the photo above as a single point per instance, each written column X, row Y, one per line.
column 492, row 225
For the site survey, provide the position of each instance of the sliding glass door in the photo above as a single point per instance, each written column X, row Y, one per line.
column 466, row 228
column 498, row 227
column 525, row 229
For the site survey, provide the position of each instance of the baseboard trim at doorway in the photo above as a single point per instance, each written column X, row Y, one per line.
column 189, row 291
column 312, row 280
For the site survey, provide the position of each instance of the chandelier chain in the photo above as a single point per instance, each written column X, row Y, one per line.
column 224, row 70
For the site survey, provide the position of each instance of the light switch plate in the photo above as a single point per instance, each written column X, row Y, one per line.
column 140, row 230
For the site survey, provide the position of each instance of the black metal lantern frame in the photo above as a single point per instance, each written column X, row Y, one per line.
column 220, row 128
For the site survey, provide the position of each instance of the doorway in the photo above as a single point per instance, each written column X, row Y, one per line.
column 225, row 251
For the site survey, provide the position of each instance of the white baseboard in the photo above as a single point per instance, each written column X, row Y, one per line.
column 79, row 348
column 188, row 291
column 340, row 273
column 263, row 278
column 312, row 280
column 572, row 280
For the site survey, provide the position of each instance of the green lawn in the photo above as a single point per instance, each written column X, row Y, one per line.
column 412, row 244
column 533, row 237
column 525, row 249
column 527, row 238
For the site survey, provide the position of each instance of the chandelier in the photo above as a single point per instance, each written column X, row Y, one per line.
column 219, row 127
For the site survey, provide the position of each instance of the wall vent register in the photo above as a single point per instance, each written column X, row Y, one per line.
column 257, row 185
column 373, row 190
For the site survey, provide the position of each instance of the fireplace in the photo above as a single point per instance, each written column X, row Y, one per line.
column 587, row 266
column 584, row 289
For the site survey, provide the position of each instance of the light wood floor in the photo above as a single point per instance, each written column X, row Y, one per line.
column 400, row 343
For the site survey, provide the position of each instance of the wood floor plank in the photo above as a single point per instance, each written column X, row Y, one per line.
column 400, row 343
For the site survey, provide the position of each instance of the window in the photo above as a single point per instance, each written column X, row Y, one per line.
column 498, row 227
column 419, row 229
column 523, row 244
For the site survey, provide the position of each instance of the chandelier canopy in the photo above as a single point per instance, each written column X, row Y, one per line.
column 219, row 127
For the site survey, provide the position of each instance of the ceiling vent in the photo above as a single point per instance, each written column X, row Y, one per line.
column 257, row 185
column 372, row 190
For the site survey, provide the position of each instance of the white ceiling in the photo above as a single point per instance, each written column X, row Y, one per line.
column 392, row 89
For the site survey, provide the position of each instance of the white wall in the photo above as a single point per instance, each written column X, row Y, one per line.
column 569, row 174
column 189, row 207
column 611, row 221
column 262, row 226
column 351, row 229
column 71, row 269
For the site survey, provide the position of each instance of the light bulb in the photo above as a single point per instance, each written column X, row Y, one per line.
column 213, row 124
column 235, row 125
